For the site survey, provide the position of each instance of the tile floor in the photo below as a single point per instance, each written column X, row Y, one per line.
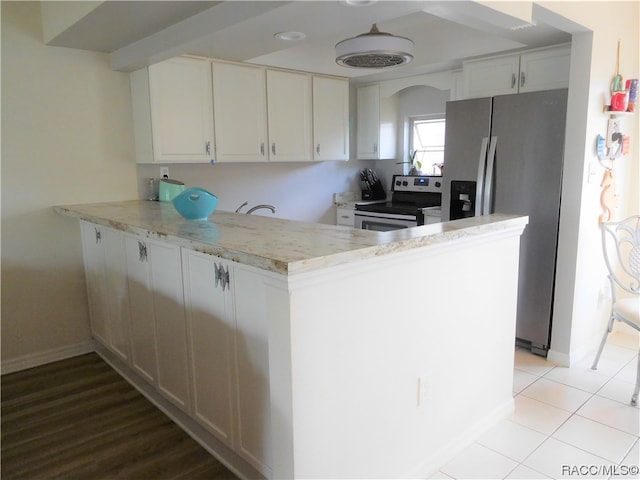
column 568, row 422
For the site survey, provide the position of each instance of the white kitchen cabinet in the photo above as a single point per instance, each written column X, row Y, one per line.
column 330, row 118
column 239, row 96
column 210, row 327
column 158, row 326
column 254, row 442
column 345, row 216
column 173, row 111
column 229, row 355
column 376, row 124
column 105, row 273
column 543, row 69
column 289, row 116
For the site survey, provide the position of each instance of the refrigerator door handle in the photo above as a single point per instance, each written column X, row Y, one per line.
column 491, row 160
column 482, row 161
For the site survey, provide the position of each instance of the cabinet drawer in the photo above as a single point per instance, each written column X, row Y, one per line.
column 345, row 216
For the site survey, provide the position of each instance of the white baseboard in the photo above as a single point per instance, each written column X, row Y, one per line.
column 448, row 451
column 48, row 356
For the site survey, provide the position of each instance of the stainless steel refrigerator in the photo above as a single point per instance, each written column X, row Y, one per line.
column 504, row 154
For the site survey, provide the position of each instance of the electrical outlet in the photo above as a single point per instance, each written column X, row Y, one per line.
column 164, row 172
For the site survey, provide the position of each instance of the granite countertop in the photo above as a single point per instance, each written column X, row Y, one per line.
column 283, row 246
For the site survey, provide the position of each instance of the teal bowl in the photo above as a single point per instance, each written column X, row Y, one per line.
column 195, row 203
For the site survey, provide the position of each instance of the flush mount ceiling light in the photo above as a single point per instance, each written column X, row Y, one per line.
column 374, row 49
column 290, row 36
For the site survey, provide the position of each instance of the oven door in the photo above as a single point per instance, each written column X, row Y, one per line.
column 383, row 222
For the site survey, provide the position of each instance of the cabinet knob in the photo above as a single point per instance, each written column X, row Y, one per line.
column 513, row 80
column 375, row 148
column 98, row 235
column 273, row 148
column 318, row 149
column 262, row 148
column 522, row 79
column 208, row 148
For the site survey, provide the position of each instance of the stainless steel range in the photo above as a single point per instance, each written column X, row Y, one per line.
column 415, row 200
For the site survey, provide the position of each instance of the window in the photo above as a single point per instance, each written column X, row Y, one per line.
column 427, row 141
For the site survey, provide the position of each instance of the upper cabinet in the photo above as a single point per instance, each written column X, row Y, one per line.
column 173, row 111
column 260, row 114
column 376, row 124
column 330, row 118
column 543, row 69
column 240, row 99
column 289, row 116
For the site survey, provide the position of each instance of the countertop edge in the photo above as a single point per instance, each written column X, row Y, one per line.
column 435, row 235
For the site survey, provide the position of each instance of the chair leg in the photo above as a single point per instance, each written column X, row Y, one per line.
column 634, row 397
column 604, row 340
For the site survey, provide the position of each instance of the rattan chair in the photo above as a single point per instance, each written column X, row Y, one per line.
column 621, row 248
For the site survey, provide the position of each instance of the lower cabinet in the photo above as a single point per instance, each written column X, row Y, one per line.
column 252, row 367
column 210, row 326
column 192, row 325
column 158, row 326
column 105, row 272
column 229, row 355
column 345, row 216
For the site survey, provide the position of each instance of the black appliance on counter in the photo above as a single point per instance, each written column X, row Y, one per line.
column 371, row 186
column 415, row 200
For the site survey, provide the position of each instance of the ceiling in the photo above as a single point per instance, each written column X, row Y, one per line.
column 137, row 33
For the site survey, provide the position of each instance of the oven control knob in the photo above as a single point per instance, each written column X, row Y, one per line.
column 405, row 183
column 438, row 184
column 398, row 182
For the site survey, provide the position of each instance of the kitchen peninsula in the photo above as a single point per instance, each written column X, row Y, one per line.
column 308, row 350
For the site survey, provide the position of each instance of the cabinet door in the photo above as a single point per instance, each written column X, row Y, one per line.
column 252, row 366
column 330, row 118
column 545, row 70
column 115, row 293
column 143, row 332
column 170, row 325
column 289, row 116
column 210, row 327
column 94, row 268
column 240, row 112
column 496, row 76
column 181, row 110
column 368, row 121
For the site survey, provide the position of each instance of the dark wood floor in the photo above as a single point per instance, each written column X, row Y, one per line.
column 78, row 419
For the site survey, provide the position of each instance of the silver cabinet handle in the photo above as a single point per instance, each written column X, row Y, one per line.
column 208, row 148
column 142, row 251
column 225, row 278
column 318, row 149
column 513, row 80
column 216, row 270
column 522, row 79
column 222, row 276
column 98, row 235
column 262, row 148
column 273, row 148
column 375, row 148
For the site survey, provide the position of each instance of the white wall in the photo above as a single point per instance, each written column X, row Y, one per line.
column 66, row 138
column 579, row 311
column 299, row 191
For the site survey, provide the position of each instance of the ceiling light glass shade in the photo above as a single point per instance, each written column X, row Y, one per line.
column 374, row 49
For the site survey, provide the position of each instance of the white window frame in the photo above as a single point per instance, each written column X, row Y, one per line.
column 440, row 118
